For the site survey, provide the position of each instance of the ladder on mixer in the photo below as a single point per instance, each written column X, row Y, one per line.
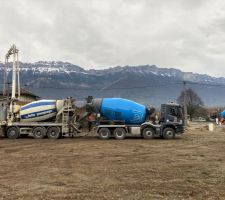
column 66, row 117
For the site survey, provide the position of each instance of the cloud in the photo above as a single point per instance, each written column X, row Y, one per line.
column 188, row 35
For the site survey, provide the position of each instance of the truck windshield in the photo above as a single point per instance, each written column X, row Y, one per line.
column 175, row 111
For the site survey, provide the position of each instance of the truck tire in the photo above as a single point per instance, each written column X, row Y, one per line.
column 39, row 132
column 53, row 132
column 168, row 133
column 104, row 134
column 13, row 133
column 119, row 133
column 148, row 133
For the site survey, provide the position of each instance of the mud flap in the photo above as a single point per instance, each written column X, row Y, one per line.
column 2, row 132
column 158, row 132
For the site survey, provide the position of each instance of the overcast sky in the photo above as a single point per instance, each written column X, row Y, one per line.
column 185, row 34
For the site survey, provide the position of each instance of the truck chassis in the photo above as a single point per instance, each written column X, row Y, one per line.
column 37, row 130
column 147, row 130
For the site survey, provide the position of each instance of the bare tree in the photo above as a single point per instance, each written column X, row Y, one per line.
column 194, row 103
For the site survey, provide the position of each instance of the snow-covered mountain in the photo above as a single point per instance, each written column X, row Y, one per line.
column 145, row 84
column 166, row 72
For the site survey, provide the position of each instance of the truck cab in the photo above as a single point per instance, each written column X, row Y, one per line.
column 171, row 112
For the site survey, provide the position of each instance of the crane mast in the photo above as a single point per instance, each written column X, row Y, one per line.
column 14, row 52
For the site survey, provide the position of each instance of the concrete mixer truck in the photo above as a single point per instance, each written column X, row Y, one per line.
column 38, row 118
column 51, row 118
column 121, row 117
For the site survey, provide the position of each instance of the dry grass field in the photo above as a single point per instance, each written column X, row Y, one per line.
column 190, row 167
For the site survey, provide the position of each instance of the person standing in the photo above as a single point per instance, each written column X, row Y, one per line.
column 91, row 120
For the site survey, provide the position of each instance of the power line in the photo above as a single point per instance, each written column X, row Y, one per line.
column 185, row 103
column 127, row 88
column 116, row 88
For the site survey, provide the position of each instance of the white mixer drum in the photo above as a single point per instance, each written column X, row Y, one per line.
column 37, row 111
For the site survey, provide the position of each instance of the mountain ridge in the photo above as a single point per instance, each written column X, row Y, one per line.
column 51, row 65
column 144, row 83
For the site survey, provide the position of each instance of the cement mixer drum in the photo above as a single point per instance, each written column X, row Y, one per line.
column 41, row 110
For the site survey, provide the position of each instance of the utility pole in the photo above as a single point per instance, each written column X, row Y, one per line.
column 185, row 103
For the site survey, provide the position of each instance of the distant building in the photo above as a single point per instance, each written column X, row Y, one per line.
column 25, row 97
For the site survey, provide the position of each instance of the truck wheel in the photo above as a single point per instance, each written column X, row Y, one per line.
column 39, row 132
column 13, row 133
column 119, row 133
column 168, row 133
column 104, row 133
column 53, row 132
column 148, row 133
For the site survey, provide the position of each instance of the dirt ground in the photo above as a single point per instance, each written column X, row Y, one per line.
column 190, row 167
